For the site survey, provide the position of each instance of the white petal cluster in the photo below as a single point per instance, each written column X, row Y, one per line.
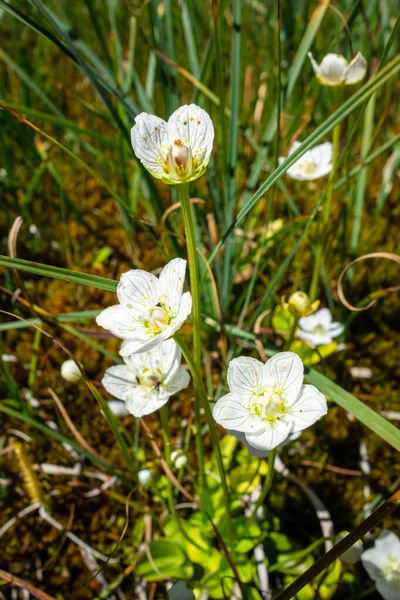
column 335, row 70
column 176, row 151
column 268, row 402
column 382, row 563
column 151, row 308
column 319, row 328
column 314, row 163
column 147, row 380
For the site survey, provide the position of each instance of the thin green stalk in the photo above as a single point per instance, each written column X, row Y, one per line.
column 292, row 333
column 198, row 382
column 324, row 230
column 362, row 177
column 183, row 193
column 267, row 482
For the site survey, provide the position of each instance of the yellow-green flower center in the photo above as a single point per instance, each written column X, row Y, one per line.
column 391, row 570
column 268, row 403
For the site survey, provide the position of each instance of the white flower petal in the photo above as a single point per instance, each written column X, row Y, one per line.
column 136, row 346
column 244, row 375
column 149, row 139
column 194, row 128
column 242, row 438
column 310, row 406
column 332, row 69
column 296, row 144
column 143, row 403
column 336, row 329
column 118, row 408
column 184, row 310
column 321, row 154
column 287, row 371
column 272, row 435
column 231, row 411
column 389, row 590
column 177, row 381
column 118, row 320
column 138, row 290
column 356, row 70
column 317, row 339
column 388, row 543
column 171, row 281
column 119, row 381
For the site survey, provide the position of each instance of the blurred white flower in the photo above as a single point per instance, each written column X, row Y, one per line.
column 353, row 554
column 118, row 408
column 335, row 70
column 70, row 371
column 382, row 563
column 147, row 380
column 319, row 328
column 177, row 151
column 151, row 309
column 268, row 402
column 9, row 358
column 314, row 163
column 178, row 458
column 144, row 476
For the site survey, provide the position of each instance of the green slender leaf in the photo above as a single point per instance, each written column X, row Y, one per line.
column 67, row 275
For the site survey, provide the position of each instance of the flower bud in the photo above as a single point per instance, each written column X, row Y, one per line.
column 178, row 458
column 70, row 371
column 299, row 304
column 353, row 554
column 144, row 476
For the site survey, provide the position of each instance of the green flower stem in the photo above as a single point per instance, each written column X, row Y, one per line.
column 183, row 193
column 199, row 385
column 292, row 333
column 324, row 231
column 267, row 482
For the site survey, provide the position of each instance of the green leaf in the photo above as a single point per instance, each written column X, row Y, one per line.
column 168, row 560
column 67, row 275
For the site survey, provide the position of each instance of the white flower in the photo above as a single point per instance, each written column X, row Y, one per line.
column 9, row 358
column 118, row 408
column 70, row 372
column 319, row 328
column 178, row 458
column 144, row 475
column 314, row 163
column 268, row 403
column 151, row 309
column 382, row 563
column 177, row 151
column 335, row 70
column 353, row 554
column 147, row 380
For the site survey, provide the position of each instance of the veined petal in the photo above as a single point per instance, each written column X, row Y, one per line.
column 138, row 289
column 177, row 381
column 184, row 311
column 142, row 402
column 163, row 358
column 271, row 436
column 310, row 406
column 242, row 438
column 171, row 281
column 245, row 374
column 193, row 127
column 332, row 69
column 118, row 320
column 119, row 381
column 149, row 139
column 287, row 372
column 136, row 346
column 231, row 411
column 356, row 70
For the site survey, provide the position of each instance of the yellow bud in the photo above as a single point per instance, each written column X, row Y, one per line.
column 300, row 305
